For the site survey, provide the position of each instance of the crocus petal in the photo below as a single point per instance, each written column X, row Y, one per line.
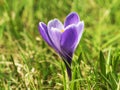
column 55, row 23
column 69, row 39
column 54, row 31
column 80, row 28
column 44, row 33
column 55, row 36
column 72, row 18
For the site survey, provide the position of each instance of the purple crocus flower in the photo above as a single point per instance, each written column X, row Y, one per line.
column 63, row 38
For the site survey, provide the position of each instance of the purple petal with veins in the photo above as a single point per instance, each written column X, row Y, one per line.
column 44, row 33
column 54, row 31
column 72, row 18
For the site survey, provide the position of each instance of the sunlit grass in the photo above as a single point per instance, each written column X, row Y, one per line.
column 27, row 62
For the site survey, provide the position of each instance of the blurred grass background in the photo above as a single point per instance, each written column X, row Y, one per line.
column 27, row 62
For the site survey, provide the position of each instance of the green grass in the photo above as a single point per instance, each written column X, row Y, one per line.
column 28, row 63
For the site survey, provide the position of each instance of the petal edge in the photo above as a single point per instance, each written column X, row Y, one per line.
column 44, row 33
column 72, row 18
